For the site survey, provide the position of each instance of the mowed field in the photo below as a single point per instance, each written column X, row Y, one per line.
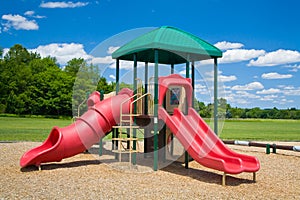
column 38, row 129
column 261, row 129
column 28, row 129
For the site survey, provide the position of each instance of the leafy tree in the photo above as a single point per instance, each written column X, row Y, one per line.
column 74, row 65
column 15, row 76
column 104, row 86
column 86, row 82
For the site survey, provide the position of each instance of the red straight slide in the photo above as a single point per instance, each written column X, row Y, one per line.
column 204, row 146
column 83, row 133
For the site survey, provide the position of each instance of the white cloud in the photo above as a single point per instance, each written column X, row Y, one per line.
column 102, row 60
column 275, row 75
column 228, row 45
column 5, row 50
column 278, row 57
column 221, row 77
column 62, row 4
column 249, row 86
column 230, row 78
column 241, row 97
column 18, row 22
column 112, row 77
column 63, row 52
column 239, row 55
column 293, row 68
column 268, row 98
column 112, row 49
column 286, row 87
column 183, row 72
column 291, row 91
column 127, row 65
column 269, row 91
column 283, row 101
column 29, row 13
column 202, row 89
column 245, row 94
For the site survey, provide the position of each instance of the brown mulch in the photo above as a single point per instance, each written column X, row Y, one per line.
column 86, row 177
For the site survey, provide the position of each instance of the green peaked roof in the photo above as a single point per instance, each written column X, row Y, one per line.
column 174, row 45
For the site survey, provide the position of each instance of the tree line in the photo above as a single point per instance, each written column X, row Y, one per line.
column 32, row 85
column 226, row 111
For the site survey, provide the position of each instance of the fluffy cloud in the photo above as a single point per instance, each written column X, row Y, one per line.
column 283, row 101
column 112, row 77
column 102, row 60
column 249, row 86
column 127, row 65
column 62, row 4
column 30, row 13
column 18, row 22
column 269, row 91
column 241, row 97
column 63, row 52
column 268, row 98
column 275, row 75
column 202, row 89
column 222, row 78
column 247, row 95
column 228, row 45
column 291, row 91
column 293, row 68
column 278, row 57
column 230, row 78
column 239, row 55
column 112, row 49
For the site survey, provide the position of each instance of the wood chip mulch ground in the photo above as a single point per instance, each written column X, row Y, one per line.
column 86, row 177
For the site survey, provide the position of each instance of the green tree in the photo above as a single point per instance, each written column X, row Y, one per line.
column 85, row 83
column 104, row 86
column 74, row 65
column 15, row 76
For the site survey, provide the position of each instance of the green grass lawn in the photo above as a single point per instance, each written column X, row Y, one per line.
column 279, row 130
column 28, row 129
column 38, row 129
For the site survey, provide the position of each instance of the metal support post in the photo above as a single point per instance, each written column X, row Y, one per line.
column 187, row 75
column 215, row 96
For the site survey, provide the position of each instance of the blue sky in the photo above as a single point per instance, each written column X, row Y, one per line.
column 259, row 39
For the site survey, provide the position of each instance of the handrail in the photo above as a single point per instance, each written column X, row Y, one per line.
column 125, row 102
column 141, row 105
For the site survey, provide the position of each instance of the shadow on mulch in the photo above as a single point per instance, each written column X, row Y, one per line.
column 205, row 176
column 53, row 166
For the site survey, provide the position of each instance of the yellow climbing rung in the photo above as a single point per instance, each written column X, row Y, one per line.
column 125, row 139
column 125, row 126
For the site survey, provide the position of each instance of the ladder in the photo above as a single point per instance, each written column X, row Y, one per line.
column 127, row 122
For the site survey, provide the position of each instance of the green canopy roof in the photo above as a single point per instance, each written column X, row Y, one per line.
column 174, row 45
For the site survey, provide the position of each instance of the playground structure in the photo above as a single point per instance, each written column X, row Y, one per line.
column 165, row 111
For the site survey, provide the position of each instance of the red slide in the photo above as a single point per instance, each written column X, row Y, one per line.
column 204, row 146
column 82, row 134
